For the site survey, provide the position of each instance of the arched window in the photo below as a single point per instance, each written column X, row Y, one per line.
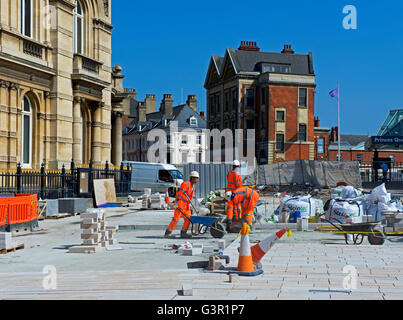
column 26, row 18
column 26, row 134
column 78, row 28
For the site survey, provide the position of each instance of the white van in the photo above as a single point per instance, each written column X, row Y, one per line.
column 156, row 176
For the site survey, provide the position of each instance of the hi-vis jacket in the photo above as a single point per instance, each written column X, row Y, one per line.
column 181, row 200
column 245, row 198
column 234, row 181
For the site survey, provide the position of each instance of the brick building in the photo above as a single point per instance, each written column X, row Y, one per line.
column 273, row 93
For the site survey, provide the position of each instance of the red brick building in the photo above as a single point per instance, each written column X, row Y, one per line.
column 273, row 93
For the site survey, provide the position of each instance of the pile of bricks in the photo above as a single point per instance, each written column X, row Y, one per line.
column 94, row 228
column 94, row 232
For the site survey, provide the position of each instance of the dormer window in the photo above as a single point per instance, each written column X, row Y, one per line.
column 276, row 68
column 193, row 121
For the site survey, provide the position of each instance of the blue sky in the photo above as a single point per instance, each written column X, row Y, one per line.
column 165, row 47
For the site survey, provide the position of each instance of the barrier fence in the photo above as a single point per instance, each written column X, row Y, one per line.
column 72, row 183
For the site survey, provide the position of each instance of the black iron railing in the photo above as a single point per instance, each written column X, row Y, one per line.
column 55, row 184
column 386, row 171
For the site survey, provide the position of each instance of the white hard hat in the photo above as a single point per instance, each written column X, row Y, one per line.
column 236, row 163
column 228, row 195
column 194, row 174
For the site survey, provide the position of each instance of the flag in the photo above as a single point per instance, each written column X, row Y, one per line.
column 334, row 93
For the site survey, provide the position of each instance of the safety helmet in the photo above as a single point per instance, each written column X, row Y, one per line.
column 228, row 195
column 236, row 163
column 194, row 174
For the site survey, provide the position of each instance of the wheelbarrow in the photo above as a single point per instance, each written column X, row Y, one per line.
column 359, row 231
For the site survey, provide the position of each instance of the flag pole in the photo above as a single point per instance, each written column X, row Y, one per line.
column 338, row 118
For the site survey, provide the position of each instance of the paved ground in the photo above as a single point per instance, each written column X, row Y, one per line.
column 306, row 266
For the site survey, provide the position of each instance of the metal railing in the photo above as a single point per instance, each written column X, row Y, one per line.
column 55, row 184
column 373, row 171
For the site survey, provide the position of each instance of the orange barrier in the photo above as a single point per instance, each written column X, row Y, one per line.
column 20, row 209
column 3, row 213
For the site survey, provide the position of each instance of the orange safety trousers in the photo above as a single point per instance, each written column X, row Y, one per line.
column 183, row 203
column 177, row 216
column 233, row 210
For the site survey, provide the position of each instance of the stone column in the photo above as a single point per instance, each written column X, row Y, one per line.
column 15, row 122
column 96, row 135
column 117, row 139
column 77, row 130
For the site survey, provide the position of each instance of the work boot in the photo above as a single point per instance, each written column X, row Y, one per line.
column 229, row 223
column 168, row 234
column 184, row 235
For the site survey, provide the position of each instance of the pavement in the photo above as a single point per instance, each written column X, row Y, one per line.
column 306, row 266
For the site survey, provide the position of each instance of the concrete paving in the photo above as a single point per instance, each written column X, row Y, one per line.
column 307, row 266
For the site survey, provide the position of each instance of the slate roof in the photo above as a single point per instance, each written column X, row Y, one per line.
column 155, row 120
column 349, row 141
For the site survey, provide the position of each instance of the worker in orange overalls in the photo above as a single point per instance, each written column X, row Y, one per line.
column 246, row 199
column 183, row 199
column 234, row 182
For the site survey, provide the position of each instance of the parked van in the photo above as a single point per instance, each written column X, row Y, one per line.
column 156, row 176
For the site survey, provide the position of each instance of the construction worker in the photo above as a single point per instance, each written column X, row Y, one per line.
column 183, row 199
column 246, row 199
column 234, row 182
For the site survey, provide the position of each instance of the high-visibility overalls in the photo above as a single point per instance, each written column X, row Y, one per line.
column 183, row 204
column 246, row 199
column 234, row 182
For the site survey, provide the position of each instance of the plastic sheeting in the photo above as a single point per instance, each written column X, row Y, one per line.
column 318, row 173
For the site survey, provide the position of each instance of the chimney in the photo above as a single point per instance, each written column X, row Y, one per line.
column 192, row 102
column 203, row 115
column 287, row 49
column 317, row 122
column 334, row 134
column 166, row 106
column 141, row 112
column 249, row 46
column 130, row 92
column 151, row 103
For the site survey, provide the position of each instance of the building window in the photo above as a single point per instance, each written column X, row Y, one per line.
column 263, row 98
column 321, row 145
column 218, row 103
column 250, row 98
column 199, row 140
column 26, row 143
column 302, row 132
column 26, row 18
column 226, row 102
column 280, row 116
column 303, row 97
column 168, row 139
column 359, row 158
column 279, row 143
column 285, row 69
column 276, row 68
column 184, row 157
column 193, row 121
column 198, row 157
column 184, row 139
column 78, row 28
column 234, row 100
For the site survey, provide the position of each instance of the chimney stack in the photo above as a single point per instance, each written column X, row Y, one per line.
column 317, row 122
column 151, row 103
column 203, row 115
column 192, row 102
column 141, row 112
column 166, row 106
column 249, row 46
column 334, row 134
column 287, row 49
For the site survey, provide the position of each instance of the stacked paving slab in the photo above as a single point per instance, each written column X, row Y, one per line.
column 94, row 232
column 6, row 241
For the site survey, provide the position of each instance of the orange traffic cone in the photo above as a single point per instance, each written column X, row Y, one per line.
column 167, row 197
column 245, row 263
column 260, row 249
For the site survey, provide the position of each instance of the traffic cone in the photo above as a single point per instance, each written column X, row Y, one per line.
column 245, row 263
column 260, row 249
column 167, row 197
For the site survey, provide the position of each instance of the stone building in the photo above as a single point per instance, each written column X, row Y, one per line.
column 184, row 128
column 59, row 96
column 270, row 92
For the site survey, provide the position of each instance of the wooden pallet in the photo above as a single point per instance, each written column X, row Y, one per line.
column 5, row 251
column 218, row 205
